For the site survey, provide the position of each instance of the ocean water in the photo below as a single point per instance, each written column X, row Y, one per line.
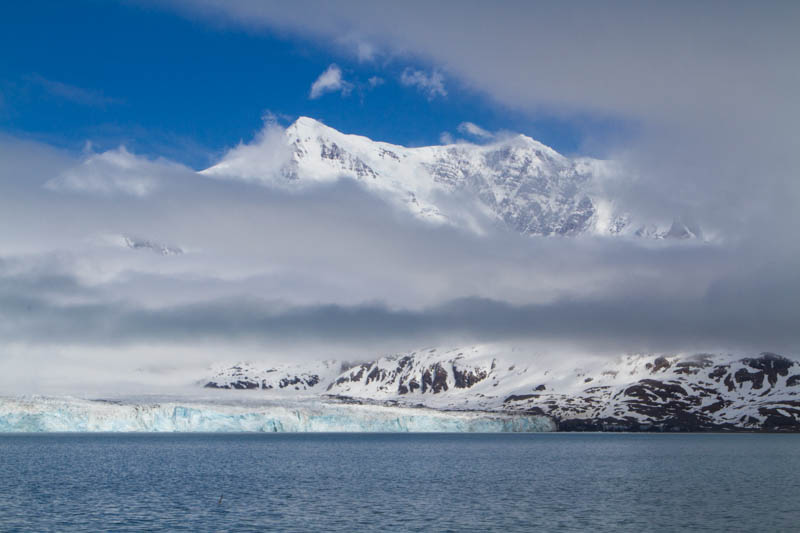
column 399, row 482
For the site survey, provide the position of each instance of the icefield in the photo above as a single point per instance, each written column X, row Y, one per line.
column 41, row 414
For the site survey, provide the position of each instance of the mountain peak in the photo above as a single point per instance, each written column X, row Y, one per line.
column 514, row 181
column 307, row 124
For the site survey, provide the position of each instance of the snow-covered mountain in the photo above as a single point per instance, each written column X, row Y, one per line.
column 515, row 181
column 634, row 392
column 476, row 389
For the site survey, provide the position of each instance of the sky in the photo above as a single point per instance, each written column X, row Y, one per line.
column 108, row 110
column 190, row 88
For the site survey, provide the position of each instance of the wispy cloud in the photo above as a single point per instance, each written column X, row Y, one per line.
column 260, row 160
column 365, row 51
column 430, row 84
column 329, row 81
column 472, row 129
column 354, row 44
column 73, row 93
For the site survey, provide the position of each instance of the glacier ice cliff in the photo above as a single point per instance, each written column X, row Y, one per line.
column 40, row 414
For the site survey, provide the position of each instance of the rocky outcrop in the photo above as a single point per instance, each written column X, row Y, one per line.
column 408, row 374
column 245, row 376
column 747, row 394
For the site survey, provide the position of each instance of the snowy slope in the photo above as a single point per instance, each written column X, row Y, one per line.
column 516, row 181
column 700, row 391
column 289, row 379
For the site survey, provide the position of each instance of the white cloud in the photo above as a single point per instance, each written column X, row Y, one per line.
column 260, row 160
column 356, row 45
column 330, row 81
column 260, row 260
column 365, row 51
column 375, row 81
column 446, row 138
column 431, row 84
column 114, row 172
column 469, row 128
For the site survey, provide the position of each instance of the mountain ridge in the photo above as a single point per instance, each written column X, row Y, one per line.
column 687, row 392
column 514, row 181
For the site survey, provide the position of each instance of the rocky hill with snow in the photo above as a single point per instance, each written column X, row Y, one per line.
column 696, row 392
column 516, row 181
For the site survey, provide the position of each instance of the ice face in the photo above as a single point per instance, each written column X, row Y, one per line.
column 74, row 415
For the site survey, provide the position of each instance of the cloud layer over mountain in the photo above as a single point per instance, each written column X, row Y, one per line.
column 710, row 87
column 333, row 269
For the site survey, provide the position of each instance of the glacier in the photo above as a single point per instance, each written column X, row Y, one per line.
column 47, row 414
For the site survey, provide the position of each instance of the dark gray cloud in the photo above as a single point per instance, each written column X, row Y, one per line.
column 734, row 314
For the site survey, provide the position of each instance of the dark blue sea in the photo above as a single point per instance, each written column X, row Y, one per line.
column 399, row 482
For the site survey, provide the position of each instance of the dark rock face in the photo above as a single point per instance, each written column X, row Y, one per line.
column 756, row 378
column 729, row 383
column 346, row 160
column 410, row 375
column 241, row 384
column 467, row 378
column 434, row 379
column 356, row 373
column 694, row 365
column 307, row 381
column 376, row 374
column 240, row 378
column 718, row 372
column 649, row 388
column 519, row 397
column 770, row 365
column 295, row 381
column 661, row 363
column 785, row 418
